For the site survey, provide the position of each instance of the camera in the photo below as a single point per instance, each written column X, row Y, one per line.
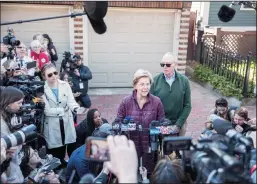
column 27, row 133
column 10, row 39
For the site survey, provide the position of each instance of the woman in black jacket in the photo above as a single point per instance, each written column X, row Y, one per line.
column 88, row 126
column 51, row 48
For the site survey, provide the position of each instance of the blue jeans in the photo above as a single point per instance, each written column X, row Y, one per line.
column 85, row 100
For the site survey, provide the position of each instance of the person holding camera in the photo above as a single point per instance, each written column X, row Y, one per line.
column 10, row 103
column 80, row 75
column 58, row 128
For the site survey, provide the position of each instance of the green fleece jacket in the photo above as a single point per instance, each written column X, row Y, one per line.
column 176, row 99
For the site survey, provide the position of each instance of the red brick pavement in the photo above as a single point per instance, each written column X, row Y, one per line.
column 202, row 102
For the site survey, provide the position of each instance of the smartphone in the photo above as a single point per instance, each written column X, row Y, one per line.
column 171, row 144
column 97, row 149
column 32, row 64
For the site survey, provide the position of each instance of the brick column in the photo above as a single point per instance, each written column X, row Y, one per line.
column 183, row 36
column 78, row 29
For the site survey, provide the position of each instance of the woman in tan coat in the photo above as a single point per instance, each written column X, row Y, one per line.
column 58, row 128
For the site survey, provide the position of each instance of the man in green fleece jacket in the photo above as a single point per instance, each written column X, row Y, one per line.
column 174, row 91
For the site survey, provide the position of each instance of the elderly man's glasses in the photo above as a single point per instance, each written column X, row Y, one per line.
column 162, row 65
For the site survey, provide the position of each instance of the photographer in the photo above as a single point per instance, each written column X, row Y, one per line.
column 10, row 103
column 80, row 75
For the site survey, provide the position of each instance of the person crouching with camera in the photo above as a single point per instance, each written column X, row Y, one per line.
column 80, row 75
column 58, row 128
column 10, row 103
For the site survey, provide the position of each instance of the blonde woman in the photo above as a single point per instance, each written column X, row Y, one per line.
column 143, row 107
column 59, row 129
column 37, row 54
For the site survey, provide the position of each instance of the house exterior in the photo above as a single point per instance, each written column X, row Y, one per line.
column 244, row 19
column 138, row 34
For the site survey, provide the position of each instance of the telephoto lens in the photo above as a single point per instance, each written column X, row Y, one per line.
column 26, row 134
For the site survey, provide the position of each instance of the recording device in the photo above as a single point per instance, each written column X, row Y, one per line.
column 126, row 125
column 11, row 41
column 32, row 64
column 215, row 158
column 50, row 165
column 96, row 11
column 66, row 62
column 27, row 133
column 227, row 13
column 97, row 149
column 88, row 178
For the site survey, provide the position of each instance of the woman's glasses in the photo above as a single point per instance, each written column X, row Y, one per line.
column 51, row 74
column 162, row 65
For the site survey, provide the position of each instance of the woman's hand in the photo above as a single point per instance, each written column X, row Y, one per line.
column 143, row 172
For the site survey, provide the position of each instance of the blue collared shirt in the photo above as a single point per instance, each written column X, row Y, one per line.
column 171, row 79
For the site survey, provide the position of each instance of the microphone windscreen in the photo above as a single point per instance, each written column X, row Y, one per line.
column 226, row 13
column 88, row 178
column 96, row 11
column 221, row 126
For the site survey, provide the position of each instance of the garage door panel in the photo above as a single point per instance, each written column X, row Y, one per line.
column 133, row 40
column 57, row 29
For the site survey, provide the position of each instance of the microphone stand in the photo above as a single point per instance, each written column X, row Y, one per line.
column 72, row 15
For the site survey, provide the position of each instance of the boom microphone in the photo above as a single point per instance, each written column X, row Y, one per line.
column 226, row 13
column 96, row 11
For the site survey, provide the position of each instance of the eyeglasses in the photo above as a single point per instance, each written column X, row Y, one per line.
column 51, row 74
column 162, row 65
column 21, row 47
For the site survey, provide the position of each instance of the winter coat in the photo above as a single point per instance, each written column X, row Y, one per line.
column 59, row 109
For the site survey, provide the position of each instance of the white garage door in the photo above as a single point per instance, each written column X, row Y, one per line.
column 57, row 29
column 135, row 38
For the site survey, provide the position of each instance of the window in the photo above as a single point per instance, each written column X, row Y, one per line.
column 246, row 8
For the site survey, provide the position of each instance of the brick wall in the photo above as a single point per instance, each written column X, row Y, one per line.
column 78, row 29
column 183, row 36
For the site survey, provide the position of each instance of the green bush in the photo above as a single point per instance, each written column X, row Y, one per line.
column 220, row 83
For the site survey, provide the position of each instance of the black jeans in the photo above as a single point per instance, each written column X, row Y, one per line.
column 85, row 100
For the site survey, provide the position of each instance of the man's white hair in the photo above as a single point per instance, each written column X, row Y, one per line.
column 169, row 58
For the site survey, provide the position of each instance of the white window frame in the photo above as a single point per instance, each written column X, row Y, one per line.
column 246, row 9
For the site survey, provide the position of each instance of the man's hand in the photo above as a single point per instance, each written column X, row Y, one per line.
column 252, row 122
column 175, row 129
column 123, row 159
column 143, row 172
column 76, row 71
column 239, row 128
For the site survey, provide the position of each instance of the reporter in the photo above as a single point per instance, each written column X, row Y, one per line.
column 10, row 103
column 59, row 129
column 240, row 120
column 89, row 125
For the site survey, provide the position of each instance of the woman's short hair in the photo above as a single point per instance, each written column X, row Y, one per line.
column 167, row 171
column 140, row 73
column 242, row 112
column 35, row 43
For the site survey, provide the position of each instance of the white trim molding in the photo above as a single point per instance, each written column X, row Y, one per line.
column 85, row 40
column 246, row 9
column 142, row 9
column 231, row 28
column 22, row 5
column 176, row 32
column 205, row 10
column 71, row 29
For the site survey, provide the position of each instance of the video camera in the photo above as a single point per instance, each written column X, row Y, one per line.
column 217, row 157
column 32, row 110
column 11, row 41
column 67, row 62
column 27, row 133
